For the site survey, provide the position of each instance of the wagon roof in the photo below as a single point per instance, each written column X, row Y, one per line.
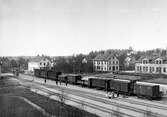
column 122, row 80
column 63, row 75
column 74, row 75
column 146, row 83
column 88, row 77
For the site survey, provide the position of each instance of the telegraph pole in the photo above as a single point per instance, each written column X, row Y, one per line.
column 0, row 68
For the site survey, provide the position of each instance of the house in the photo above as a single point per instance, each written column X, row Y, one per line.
column 39, row 62
column 151, row 64
column 106, row 62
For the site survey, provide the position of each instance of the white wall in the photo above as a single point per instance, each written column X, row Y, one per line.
column 33, row 65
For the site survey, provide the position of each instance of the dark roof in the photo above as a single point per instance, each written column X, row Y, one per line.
column 104, row 56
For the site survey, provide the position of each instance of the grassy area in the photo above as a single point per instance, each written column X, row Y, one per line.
column 51, row 106
column 14, row 107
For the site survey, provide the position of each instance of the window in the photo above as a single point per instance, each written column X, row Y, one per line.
column 164, row 69
column 44, row 64
column 113, row 62
column 137, row 68
column 140, row 68
column 160, row 62
column 116, row 67
column 156, row 62
column 146, row 69
column 156, row 69
column 143, row 68
column 40, row 63
column 109, row 68
column 153, row 69
column 113, row 68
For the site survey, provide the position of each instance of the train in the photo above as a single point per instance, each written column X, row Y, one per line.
column 115, row 84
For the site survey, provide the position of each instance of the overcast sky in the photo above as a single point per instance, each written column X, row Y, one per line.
column 66, row 27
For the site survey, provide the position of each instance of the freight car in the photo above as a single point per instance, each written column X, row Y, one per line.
column 99, row 83
column 149, row 91
column 43, row 73
column 37, row 72
column 74, row 78
column 122, row 86
column 63, row 78
column 53, row 75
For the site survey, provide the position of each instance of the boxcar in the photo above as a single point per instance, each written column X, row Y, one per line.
column 74, row 78
column 62, row 78
column 37, row 72
column 53, row 75
column 100, row 83
column 43, row 73
column 149, row 91
column 122, row 86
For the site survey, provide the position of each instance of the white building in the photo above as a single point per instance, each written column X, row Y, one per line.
column 106, row 62
column 157, row 65
column 39, row 63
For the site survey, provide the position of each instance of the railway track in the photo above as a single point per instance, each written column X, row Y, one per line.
column 156, row 106
column 92, row 97
column 112, row 103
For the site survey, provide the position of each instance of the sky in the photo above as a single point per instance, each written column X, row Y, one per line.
column 66, row 27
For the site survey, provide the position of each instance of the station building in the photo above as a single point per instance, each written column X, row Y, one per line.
column 106, row 62
column 39, row 62
column 154, row 64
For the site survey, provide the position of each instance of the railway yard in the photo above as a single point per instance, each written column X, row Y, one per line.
column 95, row 101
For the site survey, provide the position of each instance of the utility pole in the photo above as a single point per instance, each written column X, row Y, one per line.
column 0, row 68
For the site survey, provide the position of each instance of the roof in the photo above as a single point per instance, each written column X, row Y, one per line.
column 122, row 80
column 38, row 59
column 104, row 56
column 146, row 83
column 152, row 58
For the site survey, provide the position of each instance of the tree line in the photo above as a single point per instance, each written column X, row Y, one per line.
column 82, row 63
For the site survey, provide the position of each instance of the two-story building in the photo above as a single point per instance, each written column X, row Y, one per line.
column 106, row 62
column 156, row 64
column 39, row 62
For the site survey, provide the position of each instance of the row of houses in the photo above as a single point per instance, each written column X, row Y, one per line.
column 108, row 62
column 146, row 64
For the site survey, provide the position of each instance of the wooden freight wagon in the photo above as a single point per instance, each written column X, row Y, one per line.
column 62, row 78
column 122, row 86
column 53, row 75
column 37, row 72
column 43, row 73
column 149, row 91
column 99, row 83
column 74, row 78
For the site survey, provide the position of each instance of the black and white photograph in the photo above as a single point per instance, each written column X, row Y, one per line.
column 83, row 58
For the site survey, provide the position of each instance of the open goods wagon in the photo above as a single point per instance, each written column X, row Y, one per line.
column 74, row 78
column 122, row 86
column 149, row 91
column 53, row 75
column 100, row 83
